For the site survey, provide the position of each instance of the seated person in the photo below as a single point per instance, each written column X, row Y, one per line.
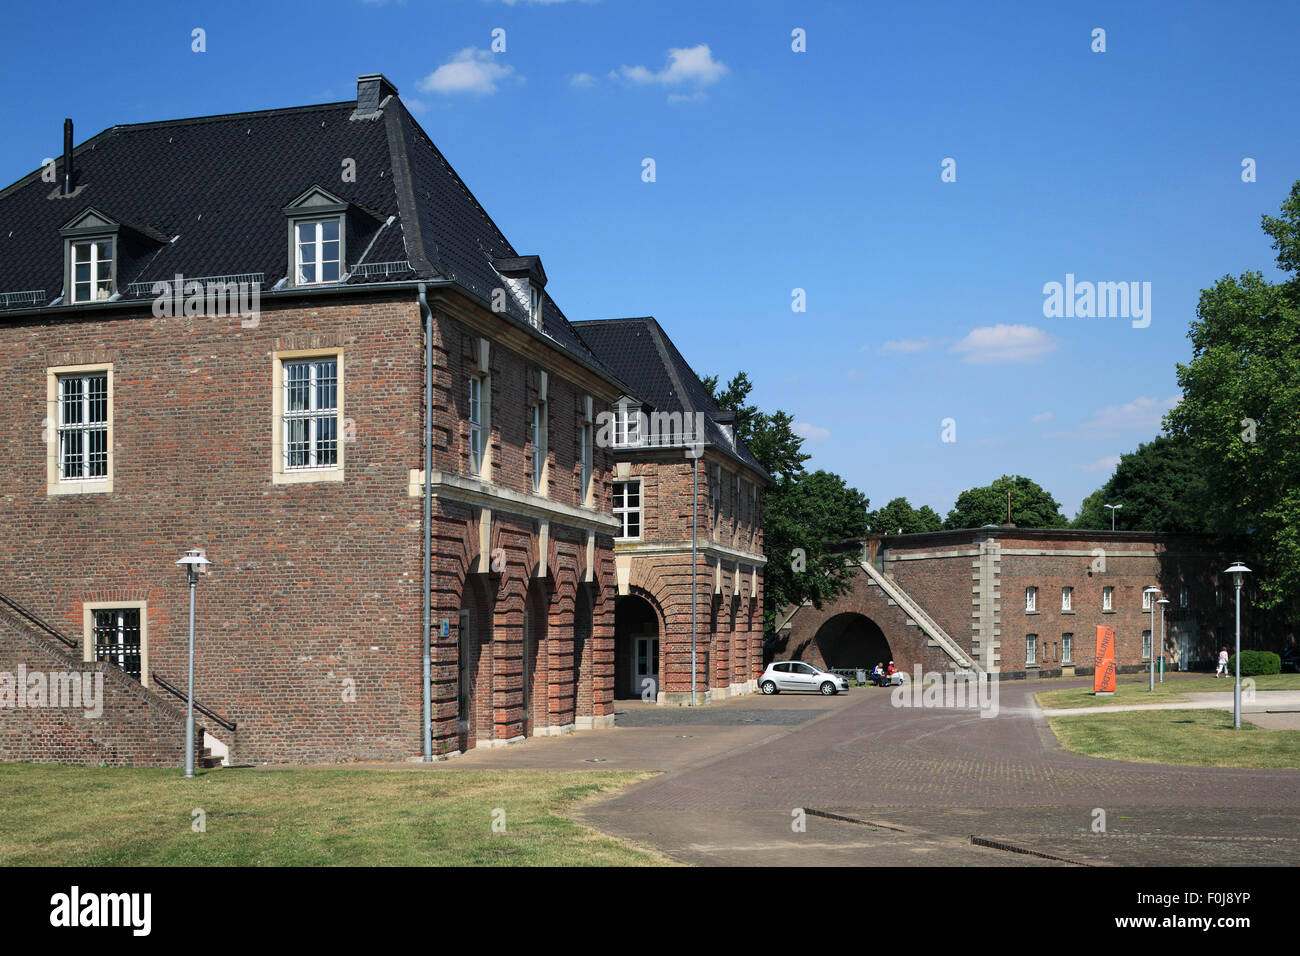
column 878, row 675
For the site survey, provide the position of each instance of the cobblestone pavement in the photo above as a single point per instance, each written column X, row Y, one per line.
column 925, row 781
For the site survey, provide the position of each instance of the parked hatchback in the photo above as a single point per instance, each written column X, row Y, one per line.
column 796, row 675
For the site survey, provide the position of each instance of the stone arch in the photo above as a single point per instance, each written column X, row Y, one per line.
column 850, row 640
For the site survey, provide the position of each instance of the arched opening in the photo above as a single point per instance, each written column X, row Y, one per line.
column 582, row 631
column 473, row 666
column 535, row 669
column 636, row 648
column 851, row 640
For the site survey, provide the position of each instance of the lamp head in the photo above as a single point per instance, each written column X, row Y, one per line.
column 1238, row 569
column 194, row 560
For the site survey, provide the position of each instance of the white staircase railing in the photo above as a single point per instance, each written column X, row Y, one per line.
column 927, row 624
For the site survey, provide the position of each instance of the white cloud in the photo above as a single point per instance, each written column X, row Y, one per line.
column 685, row 65
column 1003, row 343
column 811, row 432
column 1140, row 415
column 904, row 346
column 582, row 80
column 1106, row 464
column 1041, row 417
column 470, row 71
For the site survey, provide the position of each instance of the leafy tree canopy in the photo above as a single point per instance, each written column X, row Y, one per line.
column 899, row 517
column 1031, row 506
column 1161, row 487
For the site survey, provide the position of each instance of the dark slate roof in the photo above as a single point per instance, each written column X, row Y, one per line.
column 640, row 353
column 216, row 187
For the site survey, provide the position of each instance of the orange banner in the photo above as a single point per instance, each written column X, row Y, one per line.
column 1103, row 678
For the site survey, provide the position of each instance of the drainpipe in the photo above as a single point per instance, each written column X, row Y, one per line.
column 427, row 314
column 695, row 524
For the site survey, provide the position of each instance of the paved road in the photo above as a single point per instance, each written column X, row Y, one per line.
column 937, row 777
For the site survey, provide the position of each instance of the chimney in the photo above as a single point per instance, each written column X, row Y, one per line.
column 371, row 90
column 67, row 157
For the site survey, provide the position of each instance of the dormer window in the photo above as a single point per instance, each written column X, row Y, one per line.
column 318, row 251
column 92, row 270
column 322, row 227
column 627, row 424
column 535, row 306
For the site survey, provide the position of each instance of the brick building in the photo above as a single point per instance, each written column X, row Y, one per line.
column 294, row 339
column 1026, row 603
column 682, row 484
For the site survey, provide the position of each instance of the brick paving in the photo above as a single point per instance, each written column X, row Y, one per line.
column 941, row 776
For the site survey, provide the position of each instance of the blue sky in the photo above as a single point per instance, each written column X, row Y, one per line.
column 778, row 170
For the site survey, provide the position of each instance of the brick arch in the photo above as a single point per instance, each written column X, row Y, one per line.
column 907, row 642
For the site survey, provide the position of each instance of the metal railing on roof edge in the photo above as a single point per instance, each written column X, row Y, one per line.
column 30, row 297
column 147, row 288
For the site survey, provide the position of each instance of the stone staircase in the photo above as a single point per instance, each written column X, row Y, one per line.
column 917, row 615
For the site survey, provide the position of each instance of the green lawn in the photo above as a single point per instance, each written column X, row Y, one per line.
column 100, row 816
column 1132, row 689
column 1196, row 738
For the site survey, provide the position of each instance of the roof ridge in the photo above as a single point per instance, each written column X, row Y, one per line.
column 224, row 117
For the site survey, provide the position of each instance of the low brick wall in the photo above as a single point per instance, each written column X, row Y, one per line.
column 134, row 727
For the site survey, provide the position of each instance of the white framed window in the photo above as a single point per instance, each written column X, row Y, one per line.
column 1107, row 598
column 1146, row 645
column 310, row 410
column 627, row 424
column 627, row 508
column 1067, row 648
column 1146, row 599
column 83, row 426
column 92, row 270
column 79, row 429
column 535, row 306
column 308, row 441
column 477, row 433
column 1031, row 599
column 539, row 437
column 584, row 453
column 317, row 251
column 1031, row 648
column 1067, row 597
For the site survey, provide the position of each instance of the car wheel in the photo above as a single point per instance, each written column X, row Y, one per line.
column 828, row 688
column 768, row 687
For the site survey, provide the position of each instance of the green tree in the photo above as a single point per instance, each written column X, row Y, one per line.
column 1161, row 486
column 1241, row 408
column 805, row 514
column 1031, row 506
column 899, row 517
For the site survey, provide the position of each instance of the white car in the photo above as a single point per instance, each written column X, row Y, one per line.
column 796, row 675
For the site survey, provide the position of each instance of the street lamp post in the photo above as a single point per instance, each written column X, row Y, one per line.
column 1152, row 591
column 1162, row 602
column 193, row 560
column 1113, row 509
column 1238, row 571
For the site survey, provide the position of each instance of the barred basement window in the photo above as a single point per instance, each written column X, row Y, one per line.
column 1067, row 648
column 627, row 508
column 1146, row 645
column 83, row 427
column 311, row 432
column 1031, row 648
column 117, row 638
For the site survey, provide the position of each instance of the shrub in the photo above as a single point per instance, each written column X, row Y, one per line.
column 1256, row 663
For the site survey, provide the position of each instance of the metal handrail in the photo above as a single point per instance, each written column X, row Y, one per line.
column 54, row 632
column 206, row 712
column 29, row 616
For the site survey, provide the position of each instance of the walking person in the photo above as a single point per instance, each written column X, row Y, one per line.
column 1223, row 664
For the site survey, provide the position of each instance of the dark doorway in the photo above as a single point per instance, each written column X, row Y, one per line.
column 637, row 650
column 852, row 640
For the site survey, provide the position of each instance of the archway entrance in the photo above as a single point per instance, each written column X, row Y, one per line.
column 473, row 666
column 637, row 650
column 851, row 640
column 582, row 631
